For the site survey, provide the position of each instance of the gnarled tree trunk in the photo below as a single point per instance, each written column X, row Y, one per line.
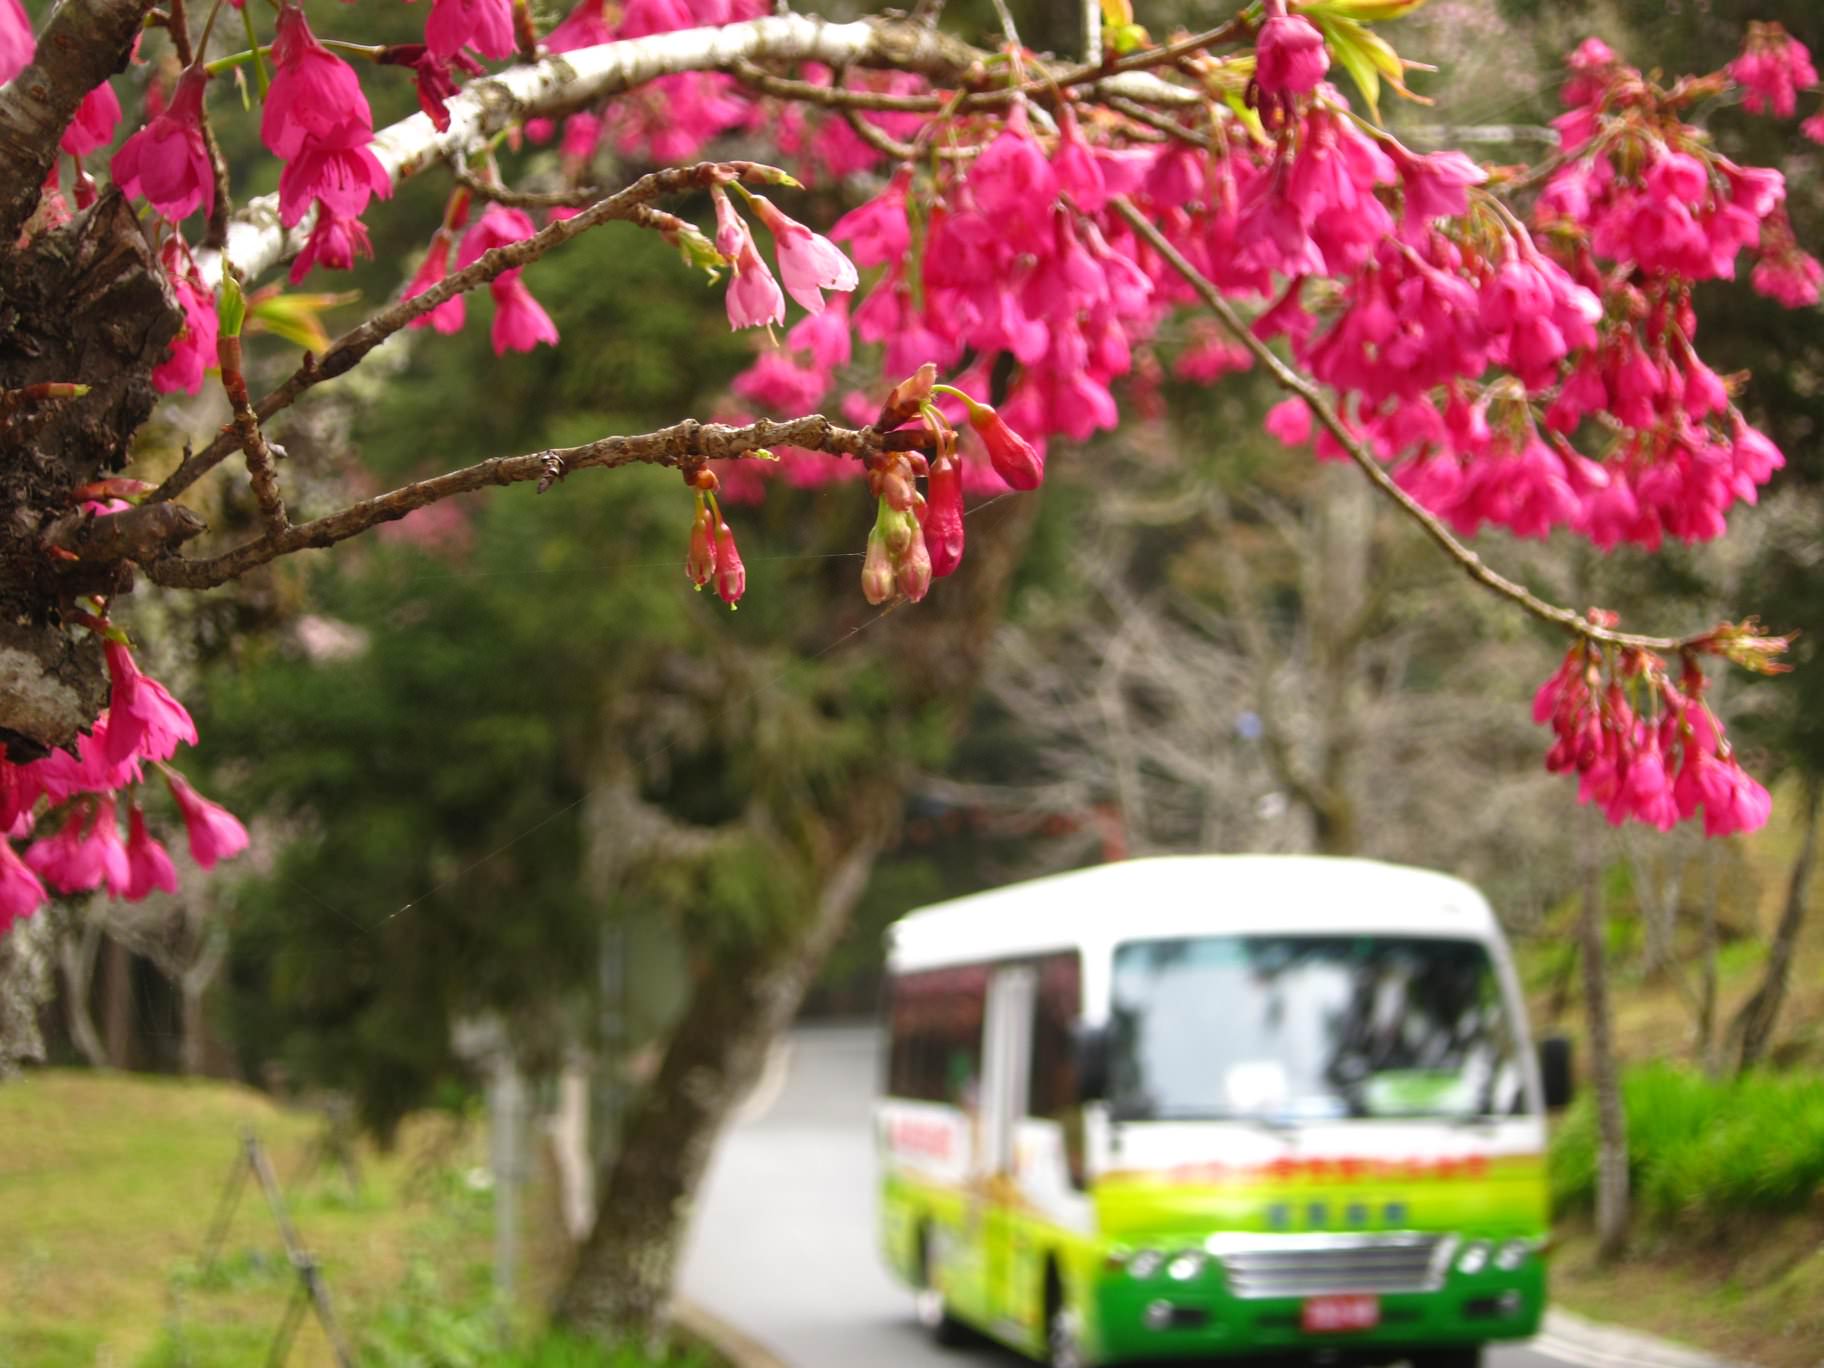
column 621, row 1283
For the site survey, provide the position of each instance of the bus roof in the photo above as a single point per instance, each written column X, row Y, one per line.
column 1188, row 895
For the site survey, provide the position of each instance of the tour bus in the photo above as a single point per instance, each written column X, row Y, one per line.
column 1209, row 1106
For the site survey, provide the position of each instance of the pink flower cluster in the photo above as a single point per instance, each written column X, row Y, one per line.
column 317, row 122
column 1773, row 68
column 1644, row 748
column 670, row 119
column 63, row 812
column 193, row 351
column 1474, row 362
column 520, row 322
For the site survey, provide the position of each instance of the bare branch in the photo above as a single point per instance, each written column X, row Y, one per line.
column 678, row 445
column 342, row 354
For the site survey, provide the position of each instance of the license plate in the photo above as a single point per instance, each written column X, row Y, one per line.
column 1329, row 1315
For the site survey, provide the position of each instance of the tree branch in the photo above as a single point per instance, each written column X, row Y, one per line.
column 1290, row 380
column 678, row 445
column 86, row 42
column 348, row 349
column 570, row 81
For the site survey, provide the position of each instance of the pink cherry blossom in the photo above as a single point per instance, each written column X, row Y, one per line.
column 809, row 263
column 776, row 382
column 16, row 48
column 498, row 226
column 315, row 99
column 166, row 162
column 754, row 299
column 215, row 833
column 520, row 323
column 193, row 351
column 1773, row 68
column 1292, row 56
column 21, row 893
column 449, row 316
column 340, row 178
column 484, row 25
column 877, row 232
column 85, row 853
column 143, row 719
column 148, row 864
column 96, row 119
column 335, row 241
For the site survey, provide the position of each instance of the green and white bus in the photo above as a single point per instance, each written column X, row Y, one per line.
column 1203, row 1106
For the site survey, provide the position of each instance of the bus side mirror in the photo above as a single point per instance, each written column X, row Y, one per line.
column 1092, row 1063
column 1555, row 1072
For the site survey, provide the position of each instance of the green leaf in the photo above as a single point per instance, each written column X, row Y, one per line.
column 1363, row 11
column 1249, row 116
column 230, row 306
column 1348, row 43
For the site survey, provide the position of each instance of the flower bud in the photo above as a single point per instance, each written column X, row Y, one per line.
column 944, row 517
column 731, row 575
column 1012, row 456
column 908, row 396
column 877, row 570
column 700, row 562
column 897, row 529
column 915, row 567
column 897, row 486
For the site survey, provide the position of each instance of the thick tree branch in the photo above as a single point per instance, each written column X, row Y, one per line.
column 677, row 445
column 1289, row 379
column 85, row 43
column 342, row 354
column 573, row 80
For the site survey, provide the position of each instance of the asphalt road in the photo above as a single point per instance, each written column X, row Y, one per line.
column 783, row 1245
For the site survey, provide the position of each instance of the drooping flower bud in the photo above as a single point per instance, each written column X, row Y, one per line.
column 700, row 561
column 915, row 566
column 877, row 569
column 1012, row 456
column 897, row 486
column 944, row 516
column 896, row 528
column 907, row 397
column 731, row 575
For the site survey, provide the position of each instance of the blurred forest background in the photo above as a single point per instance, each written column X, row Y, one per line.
column 534, row 819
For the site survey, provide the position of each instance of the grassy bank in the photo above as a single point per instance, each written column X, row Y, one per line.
column 108, row 1187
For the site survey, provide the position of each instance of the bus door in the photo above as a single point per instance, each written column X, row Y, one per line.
column 1006, row 1078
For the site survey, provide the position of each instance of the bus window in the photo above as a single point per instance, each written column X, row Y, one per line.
column 935, row 1022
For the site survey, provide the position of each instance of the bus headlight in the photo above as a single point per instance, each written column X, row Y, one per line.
column 1145, row 1263
column 1512, row 1254
column 1474, row 1257
column 1185, row 1266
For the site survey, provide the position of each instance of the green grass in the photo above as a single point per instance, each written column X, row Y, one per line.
column 108, row 1186
column 1704, row 1151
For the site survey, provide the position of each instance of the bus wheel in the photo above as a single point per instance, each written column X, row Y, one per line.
column 1063, row 1336
column 945, row 1330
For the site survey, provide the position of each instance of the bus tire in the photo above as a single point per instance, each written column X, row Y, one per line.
column 945, row 1330
column 1063, row 1333
column 1465, row 1356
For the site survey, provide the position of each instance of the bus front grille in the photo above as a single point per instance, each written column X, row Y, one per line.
column 1257, row 1266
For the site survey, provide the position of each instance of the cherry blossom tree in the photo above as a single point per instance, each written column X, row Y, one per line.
column 1043, row 214
column 1502, row 346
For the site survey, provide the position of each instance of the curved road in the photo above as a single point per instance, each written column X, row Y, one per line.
column 783, row 1246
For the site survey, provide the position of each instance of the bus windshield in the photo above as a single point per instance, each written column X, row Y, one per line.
column 1285, row 1029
